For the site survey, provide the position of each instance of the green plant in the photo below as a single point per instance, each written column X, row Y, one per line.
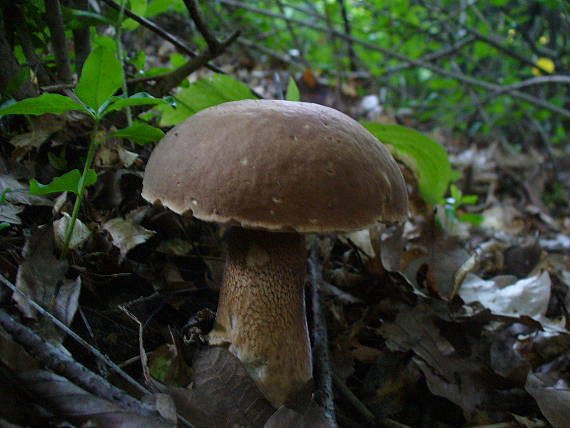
column 453, row 204
column 426, row 158
column 101, row 77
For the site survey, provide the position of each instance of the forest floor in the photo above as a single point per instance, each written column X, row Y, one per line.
column 439, row 323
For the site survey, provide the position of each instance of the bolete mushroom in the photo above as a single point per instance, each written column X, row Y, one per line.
column 273, row 170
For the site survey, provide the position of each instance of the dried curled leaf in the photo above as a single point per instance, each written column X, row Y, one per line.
column 42, row 277
column 222, row 392
column 552, row 396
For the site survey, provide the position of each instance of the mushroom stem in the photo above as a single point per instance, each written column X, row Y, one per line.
column 261, row 312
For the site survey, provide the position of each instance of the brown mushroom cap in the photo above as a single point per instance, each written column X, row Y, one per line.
column 276, row 165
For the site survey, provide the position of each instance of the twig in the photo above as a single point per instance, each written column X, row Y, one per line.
column 66, row 362
column 81, row 38
column 287, row 59
column 214, row 46
column 432, row 56
column 359, row 405
column 320, row 337
column 493, row 40
column 416, row 62
column 173, row 79
column 169, row 80
column 364, row 411
column 66, row 366
column 57, row 30
column 336, row 59
column 281, row 57
column 539, row 80
column 293, row 35
column 120, row 57
column 76, row 337
column 179, row 44
column 348, row 30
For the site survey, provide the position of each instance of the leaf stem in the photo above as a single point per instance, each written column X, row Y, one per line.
column 93, row 144
column 120, row 57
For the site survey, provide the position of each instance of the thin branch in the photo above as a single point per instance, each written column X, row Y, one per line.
column 348, row 30
column 173, row 79
column 358, row 405
column 432, row 56
column 293, row 35
column 250, row 44
column 493, row 40
column 539, row 80
column 362, row 409
column 169, row 80
column 54, row 20
column 76, row 337
column 81, row 38
column 336, row 59
column 62, row 364
column 416, row 62
column 179, row 44
column 320, row 339
column 265, row 50
column 214, row 46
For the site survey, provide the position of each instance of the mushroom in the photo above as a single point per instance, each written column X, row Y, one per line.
column 273, row 171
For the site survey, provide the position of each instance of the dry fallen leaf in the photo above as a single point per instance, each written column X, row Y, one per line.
column 126, row 234
column 507, row 296
column 222, row 393
column 553, row 398
column 17, row 193
column 42, row 277
column 312, row 417
column 465, row 381
column 80, row 232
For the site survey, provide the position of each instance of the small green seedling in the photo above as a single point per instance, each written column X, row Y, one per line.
column 293, row 93
column 453, row 204
column 101, row 77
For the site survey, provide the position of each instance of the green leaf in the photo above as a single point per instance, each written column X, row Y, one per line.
column 59, row 162
column 46, row 103
column 138, row 7
column 474, row 219
column 292, row 91
column 138, row 99
column 456, row 194
column 4, row 225
column 105, row 42
column 141, row 133
column 204, row 93
column 139, row 60
column 75, row 19
column 425, row 157
column 68, row 182
column 16, row 82
column 177, row 60
column 159, row 6
column 469, row 199
column 101, row 76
